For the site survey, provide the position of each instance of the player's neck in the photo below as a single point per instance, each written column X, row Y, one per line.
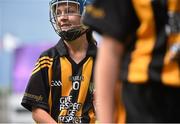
column 78, row 45
column 77, row 49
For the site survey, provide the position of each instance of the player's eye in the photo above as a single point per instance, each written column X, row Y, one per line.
column 71, row 11
column 58, row 13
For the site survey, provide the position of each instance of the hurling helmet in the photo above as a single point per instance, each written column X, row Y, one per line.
column 74, row 32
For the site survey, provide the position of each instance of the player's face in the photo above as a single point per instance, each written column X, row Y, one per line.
column 68, row 15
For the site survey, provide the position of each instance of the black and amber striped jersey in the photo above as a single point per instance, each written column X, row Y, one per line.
column 150, row 33
column 61, row 87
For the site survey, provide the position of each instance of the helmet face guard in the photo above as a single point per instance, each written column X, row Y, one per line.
column 73, row 32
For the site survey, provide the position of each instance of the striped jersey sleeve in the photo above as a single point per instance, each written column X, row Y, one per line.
column 37, row 91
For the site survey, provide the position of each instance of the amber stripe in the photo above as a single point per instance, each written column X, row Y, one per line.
column 42, row 58
column 41, row 63
column 86, row 73
column 91, row 116
column 173, row 5
column 50, row 94
column 66, row 72
column 145, row 42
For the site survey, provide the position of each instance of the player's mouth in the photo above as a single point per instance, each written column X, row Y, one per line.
column 65, row 26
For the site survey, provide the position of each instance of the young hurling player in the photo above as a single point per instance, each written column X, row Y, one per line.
column 60, row 88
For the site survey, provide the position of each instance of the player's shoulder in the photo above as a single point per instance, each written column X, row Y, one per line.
column 46, row 58
column 51, row 53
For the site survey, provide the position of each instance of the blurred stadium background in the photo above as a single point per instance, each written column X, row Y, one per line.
column 25, row 31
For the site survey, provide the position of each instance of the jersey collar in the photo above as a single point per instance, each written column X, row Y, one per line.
column 62, row 49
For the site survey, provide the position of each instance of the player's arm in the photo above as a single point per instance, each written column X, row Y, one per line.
column 41, row 116
column 106, row 75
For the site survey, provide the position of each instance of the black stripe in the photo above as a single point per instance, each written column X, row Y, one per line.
column 88, row 104
column 129, row 43
column 127, row 56
column 56, row 90
column 159, row 50
column 93, row 66
column 76, row 71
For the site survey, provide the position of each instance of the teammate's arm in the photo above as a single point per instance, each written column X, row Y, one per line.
column 41, row 116
column 106, row 75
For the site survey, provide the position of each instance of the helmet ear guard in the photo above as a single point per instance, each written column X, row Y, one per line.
column 76, row 31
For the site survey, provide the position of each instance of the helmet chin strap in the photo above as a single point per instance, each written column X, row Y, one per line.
column 71, row 34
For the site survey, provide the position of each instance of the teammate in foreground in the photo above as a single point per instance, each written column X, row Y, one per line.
column 141, row 46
